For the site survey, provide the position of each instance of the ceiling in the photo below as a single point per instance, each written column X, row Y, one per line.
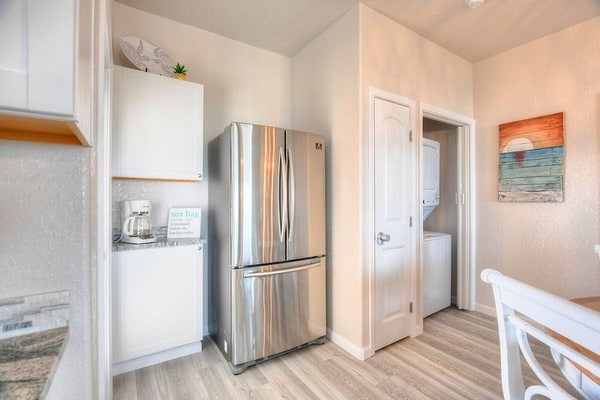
column 285, row 26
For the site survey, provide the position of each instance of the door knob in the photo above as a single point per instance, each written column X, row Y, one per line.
column 382, row 238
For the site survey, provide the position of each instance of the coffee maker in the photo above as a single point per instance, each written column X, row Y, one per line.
column 136, row 222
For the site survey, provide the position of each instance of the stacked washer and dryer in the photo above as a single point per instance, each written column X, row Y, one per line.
column 437, row 246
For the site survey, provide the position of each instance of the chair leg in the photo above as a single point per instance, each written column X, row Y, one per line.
column 510, row 357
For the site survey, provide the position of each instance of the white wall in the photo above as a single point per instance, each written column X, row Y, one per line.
column 549, row 245
column 400, row 61
column 396, row 59
column 331, row 77
column 241, row 83
column 325, row 100
column 45, row 243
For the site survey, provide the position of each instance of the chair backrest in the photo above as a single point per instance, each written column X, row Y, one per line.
column 516, row 300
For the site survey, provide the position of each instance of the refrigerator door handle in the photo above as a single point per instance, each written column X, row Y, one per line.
column 282, row 198
column 281, row 271
column 292, row 194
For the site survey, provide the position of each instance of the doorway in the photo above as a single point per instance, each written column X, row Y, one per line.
column 465, row 130
column 439, row 163
column 454, row 214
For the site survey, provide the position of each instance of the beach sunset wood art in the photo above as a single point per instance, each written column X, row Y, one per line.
column 531, row 160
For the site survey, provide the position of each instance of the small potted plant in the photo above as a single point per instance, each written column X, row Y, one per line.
column 179, row 72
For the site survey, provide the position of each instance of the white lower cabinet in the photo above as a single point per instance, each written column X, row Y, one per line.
column 156, row 305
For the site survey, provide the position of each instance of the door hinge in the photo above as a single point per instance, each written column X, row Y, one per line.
column 410, row 307
column 410, row 136
column 460, row 199
column 410, row 222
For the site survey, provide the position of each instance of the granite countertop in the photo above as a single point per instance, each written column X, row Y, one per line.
column 33, row 334
column 28, row 363
column 160, row 242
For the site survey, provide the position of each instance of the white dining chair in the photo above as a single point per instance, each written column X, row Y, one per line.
column 519, row 309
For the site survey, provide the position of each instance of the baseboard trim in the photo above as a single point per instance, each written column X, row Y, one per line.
column 361, row 353
column 156, row 358
column 485, row 309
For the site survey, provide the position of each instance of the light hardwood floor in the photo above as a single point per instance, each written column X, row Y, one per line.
column 457, row 357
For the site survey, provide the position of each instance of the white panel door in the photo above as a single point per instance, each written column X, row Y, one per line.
column 393, row 194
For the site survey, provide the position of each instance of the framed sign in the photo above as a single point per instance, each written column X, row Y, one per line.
column 531, row 160
column 184, row 223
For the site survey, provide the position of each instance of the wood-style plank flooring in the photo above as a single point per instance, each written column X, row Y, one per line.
column 457, row 357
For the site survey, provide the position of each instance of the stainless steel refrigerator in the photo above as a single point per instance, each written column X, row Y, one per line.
column 266, row 241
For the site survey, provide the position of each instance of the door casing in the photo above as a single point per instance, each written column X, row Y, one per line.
column 466, row 213
column 466, row 277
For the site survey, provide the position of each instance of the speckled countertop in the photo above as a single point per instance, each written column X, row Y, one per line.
column 160, row 242
column 33, row 334
column 28, row 363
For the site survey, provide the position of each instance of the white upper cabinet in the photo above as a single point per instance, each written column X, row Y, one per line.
column 45, row 69
column 157, row 126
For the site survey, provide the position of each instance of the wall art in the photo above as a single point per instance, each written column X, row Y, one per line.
column 531, row 160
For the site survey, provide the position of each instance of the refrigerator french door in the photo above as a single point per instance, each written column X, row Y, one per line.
column 267, row 226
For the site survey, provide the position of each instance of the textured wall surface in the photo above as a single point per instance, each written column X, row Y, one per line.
column 396, row 59
column 325, row 100
column 241, row 83
column 549, row 245
column 331, row 77
column 399, row 61
column 44, row 243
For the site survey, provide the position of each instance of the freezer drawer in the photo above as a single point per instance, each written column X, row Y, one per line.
column 276, row 308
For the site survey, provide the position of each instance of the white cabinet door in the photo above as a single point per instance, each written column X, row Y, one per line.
column 157, row 126
column 37, row 62
column 13, row 57
column 46, row 70
column 157, row 300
